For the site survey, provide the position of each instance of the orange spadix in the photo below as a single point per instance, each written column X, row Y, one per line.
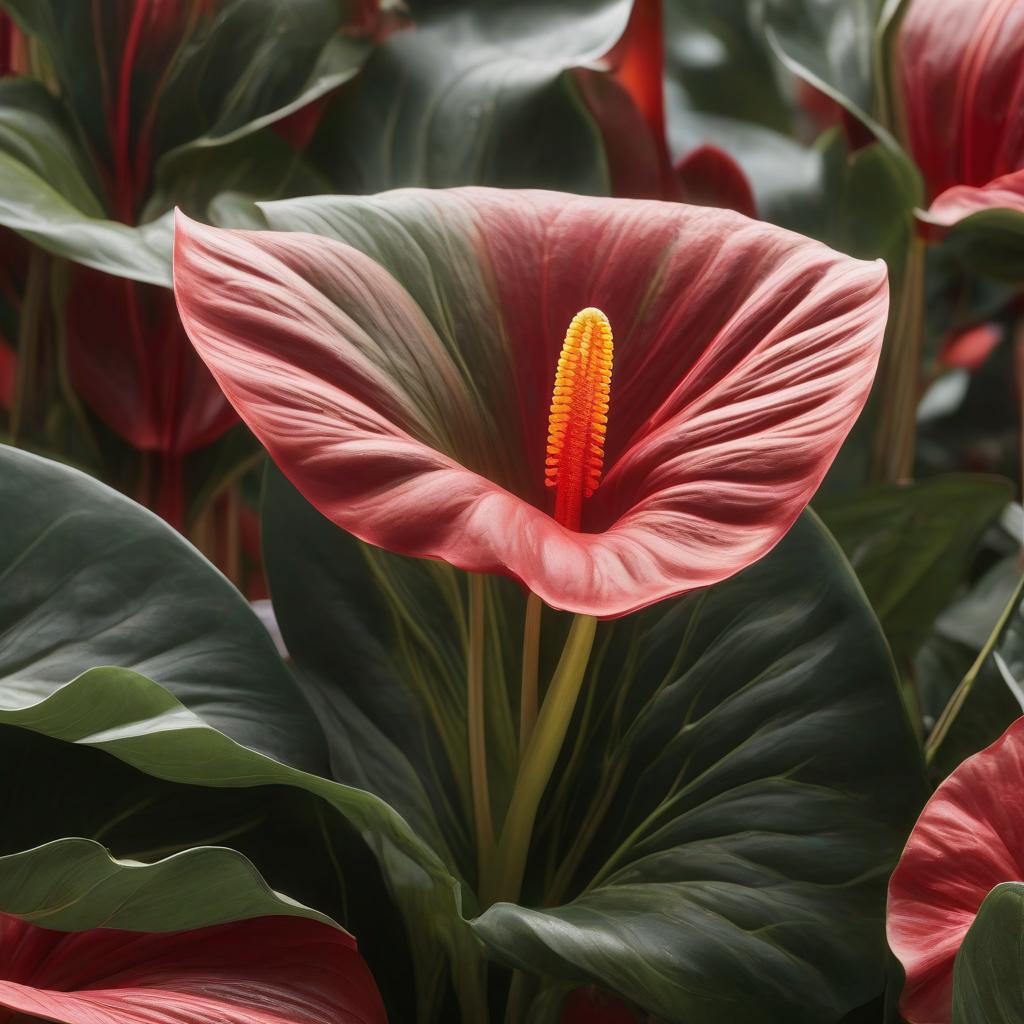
column 579, row 414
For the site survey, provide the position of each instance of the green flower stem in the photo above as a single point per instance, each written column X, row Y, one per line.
column 963, row 691
column 25, row 400
column 531, row 657
column 538, row 761
column 899, row 373
column 477, row 723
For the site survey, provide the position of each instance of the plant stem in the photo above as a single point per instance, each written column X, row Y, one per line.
column 899, row 374
column 531, row 657
column 25, row 400
column 962, row 692
column 539, row 758
column 478, row 727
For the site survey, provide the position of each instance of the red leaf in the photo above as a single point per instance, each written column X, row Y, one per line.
column 269, row 970
column 968, row 839
column 961, row 63
column 743, row 354
column 131, row 361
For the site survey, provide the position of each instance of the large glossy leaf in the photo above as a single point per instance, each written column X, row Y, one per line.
column 479, row 94
column 90, row 578
column 988, row 977
column 62, row 787
column 75, row 884
column 717, row 62
column 836, row 46
column 737, row 782
column 130, row 718
column 911, row 546
column 237, row 952
column 237, row 67
column 49, row 195
column 829, row 44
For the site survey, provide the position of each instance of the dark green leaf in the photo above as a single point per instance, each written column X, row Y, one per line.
column 135, row 721
column 912, row 544
column 251, row 64
column 988, row 980
column 739, row 778
column 827, row 43
column 55, row 788
column 254, row 64
column 48, row 196
column 476, row 96
column 876, row 216
column 990, row 242
column 74, row 884
column 717, row 62
column 836, row 47
column 90, row 578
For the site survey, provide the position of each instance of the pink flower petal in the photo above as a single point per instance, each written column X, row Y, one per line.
column 1005, row 193
column 270, row 970
column 961, row 64
column 968, row 839
column 744, row 353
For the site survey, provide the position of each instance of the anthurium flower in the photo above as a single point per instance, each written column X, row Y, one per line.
column 961, row 64
column 269, row 970
column 968, row 839
column 706, row 367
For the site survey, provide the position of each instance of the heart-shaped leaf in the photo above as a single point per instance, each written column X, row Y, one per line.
column 481, row 97
column 194, row 939
column 93, row 579
column 911, row 546
column 739, row 775
column 90, row 579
